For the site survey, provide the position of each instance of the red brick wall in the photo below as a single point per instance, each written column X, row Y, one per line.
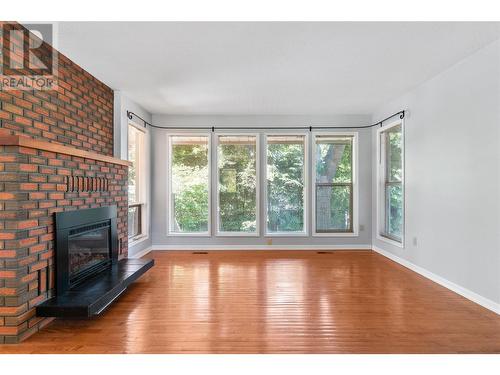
column 78, row 114
column 34, row 184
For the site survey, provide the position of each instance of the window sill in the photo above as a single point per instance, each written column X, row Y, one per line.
column 137, row 240
column 287, row 234
column 237, row 234
column 340, row 234
column 391, row 241
column 180, row 234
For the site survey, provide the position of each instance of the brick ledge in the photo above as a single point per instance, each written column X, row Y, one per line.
column 24, row 141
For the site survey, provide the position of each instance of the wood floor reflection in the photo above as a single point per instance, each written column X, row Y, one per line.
column 277, row 302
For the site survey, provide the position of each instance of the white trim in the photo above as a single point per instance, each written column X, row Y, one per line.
column 378, row 200
column 141, row 253
column 169, row 212
column 355, row 185
column 305, row 190
column 257, row 184
column 464, row 292
column 260, row 247
column 137, row 126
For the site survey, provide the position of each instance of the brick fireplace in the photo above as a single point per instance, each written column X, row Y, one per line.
column 55, row 155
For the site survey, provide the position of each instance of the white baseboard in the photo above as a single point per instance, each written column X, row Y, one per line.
column 260, row 247
column 470, row 295
column 141, row 253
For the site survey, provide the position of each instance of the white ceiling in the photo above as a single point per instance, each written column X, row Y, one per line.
column 268, row 68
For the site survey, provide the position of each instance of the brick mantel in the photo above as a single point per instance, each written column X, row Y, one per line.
column 21, row 140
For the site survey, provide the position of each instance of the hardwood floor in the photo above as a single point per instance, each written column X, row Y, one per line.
column 277, row 302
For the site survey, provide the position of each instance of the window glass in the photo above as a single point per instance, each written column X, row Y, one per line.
column 189, row 181
column 134, row 221
column 133, row 151
column 333, row 185
column 393, row 187
column 237, row 171
column 285, row 184
column 136, row 181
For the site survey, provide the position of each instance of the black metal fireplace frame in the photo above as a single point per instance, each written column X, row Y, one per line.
column 65, row 222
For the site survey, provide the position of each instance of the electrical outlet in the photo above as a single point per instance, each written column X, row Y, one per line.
column 415, row 242
column 269, row 241
column 361, row 227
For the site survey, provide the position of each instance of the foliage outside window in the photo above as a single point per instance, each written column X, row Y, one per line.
column 189, row 184
column 391, row 151
column 285, row 184
column 237, row 184
column 136, row 182
column 334, row 184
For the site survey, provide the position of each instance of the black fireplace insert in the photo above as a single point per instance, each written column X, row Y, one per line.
column 86, row 244
column 89, row 275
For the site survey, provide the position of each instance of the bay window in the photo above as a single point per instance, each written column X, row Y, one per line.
column 296, row 187
column 237, row 185
column 285, row 184
column 189, row 184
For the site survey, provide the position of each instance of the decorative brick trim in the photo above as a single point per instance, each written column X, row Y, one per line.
column 89, row 184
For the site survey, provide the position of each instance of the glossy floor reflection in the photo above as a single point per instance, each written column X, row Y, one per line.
column 277, row 302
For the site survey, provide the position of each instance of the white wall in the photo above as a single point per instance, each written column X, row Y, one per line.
column 453, row 175
column 159, row 197
column 121, row 104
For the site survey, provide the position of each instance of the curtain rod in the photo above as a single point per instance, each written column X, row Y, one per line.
column 131, row 115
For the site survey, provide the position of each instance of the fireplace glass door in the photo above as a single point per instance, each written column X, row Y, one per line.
column 89, row 251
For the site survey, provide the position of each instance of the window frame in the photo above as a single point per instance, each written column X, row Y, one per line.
column 142, row 174
column 219, row 233
column 355, row 184
column 170, row 211
column 381, row 201
column 305, row 232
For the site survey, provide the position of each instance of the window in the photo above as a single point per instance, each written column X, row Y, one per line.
column 334, row 195
column 237, row 185
column 289, row 189
column 136, row 182
column 390, row 179
column 285, row 184
column 189, row 184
